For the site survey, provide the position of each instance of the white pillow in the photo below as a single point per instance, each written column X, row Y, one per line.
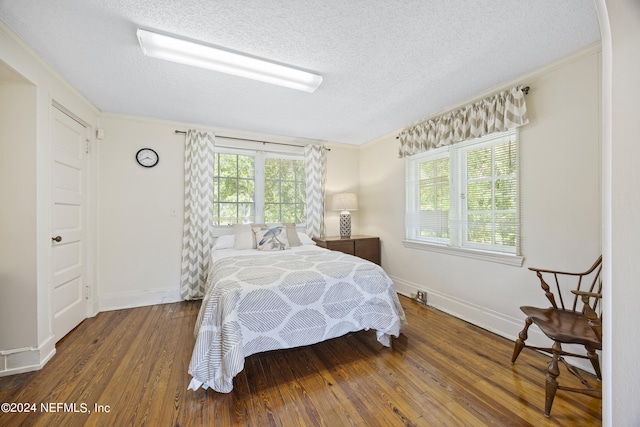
column 244, row 237
column 306, row 240
column 224, row 242
column 272, row 238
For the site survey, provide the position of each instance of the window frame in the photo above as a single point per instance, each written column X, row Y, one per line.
column 218, row 151
column 259, row 179
column 413, row 203
column 264, row 181
column 457, row 244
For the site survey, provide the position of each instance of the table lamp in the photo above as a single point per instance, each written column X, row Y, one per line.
column 345, row 202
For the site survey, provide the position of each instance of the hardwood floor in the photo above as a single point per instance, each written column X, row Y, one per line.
column 129, row 368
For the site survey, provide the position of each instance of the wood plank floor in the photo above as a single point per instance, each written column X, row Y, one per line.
column 442, row 371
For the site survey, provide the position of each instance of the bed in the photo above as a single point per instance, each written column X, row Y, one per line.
column 262, row 300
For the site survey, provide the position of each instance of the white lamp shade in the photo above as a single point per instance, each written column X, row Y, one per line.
column 344, row 202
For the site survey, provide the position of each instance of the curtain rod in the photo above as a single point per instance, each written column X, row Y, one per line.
column 254, row 140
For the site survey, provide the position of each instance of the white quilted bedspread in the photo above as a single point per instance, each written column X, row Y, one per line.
column 275, row 300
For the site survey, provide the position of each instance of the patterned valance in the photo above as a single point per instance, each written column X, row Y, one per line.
column 497, row 113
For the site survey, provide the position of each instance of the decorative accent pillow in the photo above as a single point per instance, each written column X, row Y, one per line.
column 244, row 237
column 272, row 238
column 292, row 234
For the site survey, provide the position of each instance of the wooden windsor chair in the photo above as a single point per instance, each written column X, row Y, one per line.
column 576, row 322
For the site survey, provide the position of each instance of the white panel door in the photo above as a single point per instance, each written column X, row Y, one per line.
column 68, row 195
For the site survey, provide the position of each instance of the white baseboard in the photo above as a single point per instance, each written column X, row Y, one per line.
column 138, row 299
column 492, row 321
column 21, row 360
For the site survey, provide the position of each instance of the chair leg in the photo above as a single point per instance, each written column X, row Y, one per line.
column 595, row 362
column 551, row 383
column 522, row 337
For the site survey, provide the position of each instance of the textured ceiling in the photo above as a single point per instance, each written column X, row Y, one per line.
column 385, row 63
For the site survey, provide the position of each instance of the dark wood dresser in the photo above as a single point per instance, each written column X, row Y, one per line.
column 366, row 247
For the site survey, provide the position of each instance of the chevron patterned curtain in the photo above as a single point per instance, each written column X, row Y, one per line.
column 315, row 164
column 500, row 112
column 197, row 237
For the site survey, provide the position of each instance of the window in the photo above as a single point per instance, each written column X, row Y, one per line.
column 233, row 188
column 258, row 187
column 466, row 195
column 285, row 191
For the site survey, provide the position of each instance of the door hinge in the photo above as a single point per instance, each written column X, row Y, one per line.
column 86, row 292
column 88, row 147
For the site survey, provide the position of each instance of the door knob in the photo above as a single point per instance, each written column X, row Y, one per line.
column 57, row 239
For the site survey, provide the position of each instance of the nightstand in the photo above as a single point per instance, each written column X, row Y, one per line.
column 366, row 247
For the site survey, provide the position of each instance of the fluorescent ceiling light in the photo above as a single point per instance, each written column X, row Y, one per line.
column 184, row 51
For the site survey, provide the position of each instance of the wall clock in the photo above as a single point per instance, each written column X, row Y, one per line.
column 147, row 157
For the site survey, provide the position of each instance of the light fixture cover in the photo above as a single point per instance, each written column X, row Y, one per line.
column 198, row 54
column 345, row 202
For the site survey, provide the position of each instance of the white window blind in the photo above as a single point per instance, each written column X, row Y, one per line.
column 466, row 195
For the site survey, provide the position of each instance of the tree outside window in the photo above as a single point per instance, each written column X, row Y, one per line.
column 256, row 187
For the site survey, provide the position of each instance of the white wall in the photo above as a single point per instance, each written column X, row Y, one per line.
column 139, row 238
column 561, row 203
column 18, row 263
column 342, row 177
column 25, row 143
column 620, row 27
